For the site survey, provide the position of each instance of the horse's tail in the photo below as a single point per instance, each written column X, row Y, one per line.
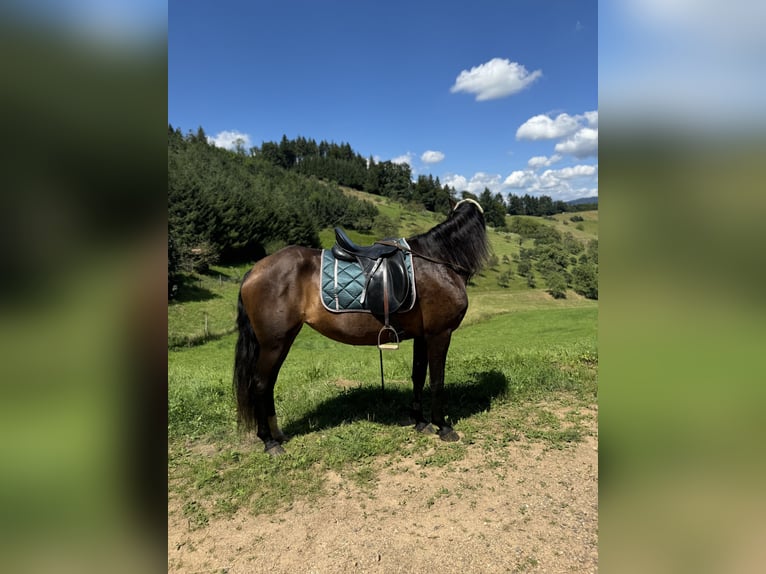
column 245, row 359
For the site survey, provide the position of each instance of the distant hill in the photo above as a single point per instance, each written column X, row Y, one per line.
column 504, row 269
column 584, row 200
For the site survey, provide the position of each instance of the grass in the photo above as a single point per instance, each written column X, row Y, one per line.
column 205, row 306
column 525, row 375
column 522, row 367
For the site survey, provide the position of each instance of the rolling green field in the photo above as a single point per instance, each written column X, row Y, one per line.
column 522, row 367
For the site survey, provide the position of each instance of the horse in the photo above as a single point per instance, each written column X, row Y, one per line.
column 281, row 293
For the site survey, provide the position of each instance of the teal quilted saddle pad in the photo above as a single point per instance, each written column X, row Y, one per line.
column 343, row 282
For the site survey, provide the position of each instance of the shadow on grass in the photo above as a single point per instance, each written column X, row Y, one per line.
column 392, row 406
column 189, row 289
column 187, row 341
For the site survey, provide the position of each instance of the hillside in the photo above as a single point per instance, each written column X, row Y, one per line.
column 506, row 245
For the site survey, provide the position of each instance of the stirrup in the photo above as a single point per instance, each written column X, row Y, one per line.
column 390, row 346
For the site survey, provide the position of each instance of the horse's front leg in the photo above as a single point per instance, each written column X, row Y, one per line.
column 437, row 357
column 419, row 369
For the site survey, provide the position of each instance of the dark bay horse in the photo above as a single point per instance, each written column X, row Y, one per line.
column 281, row 293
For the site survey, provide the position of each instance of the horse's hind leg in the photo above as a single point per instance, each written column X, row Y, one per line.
column 269, row 362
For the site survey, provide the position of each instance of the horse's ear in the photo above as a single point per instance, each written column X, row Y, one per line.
column 452, row 203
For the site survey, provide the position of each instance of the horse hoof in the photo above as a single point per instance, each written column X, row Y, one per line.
column 425, row 428
column 276, row 450
column 447, row 434
column 282, row 439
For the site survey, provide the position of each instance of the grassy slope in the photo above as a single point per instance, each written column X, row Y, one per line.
column 522, row 366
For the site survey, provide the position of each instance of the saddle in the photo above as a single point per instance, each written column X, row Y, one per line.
column 387, row 285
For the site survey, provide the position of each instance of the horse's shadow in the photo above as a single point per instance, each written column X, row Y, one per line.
column 392, row 406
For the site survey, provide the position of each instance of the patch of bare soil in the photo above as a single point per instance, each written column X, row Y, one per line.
column 536, row 511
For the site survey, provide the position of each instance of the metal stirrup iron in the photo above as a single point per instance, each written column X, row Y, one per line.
column 390, row 345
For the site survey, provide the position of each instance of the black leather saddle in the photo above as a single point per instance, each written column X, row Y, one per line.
column 387, row 284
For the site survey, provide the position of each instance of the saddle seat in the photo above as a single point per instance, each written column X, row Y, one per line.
column 387, row 283
column 347, row 250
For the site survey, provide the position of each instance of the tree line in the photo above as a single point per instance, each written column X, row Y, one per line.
column 496, row 207
column 227, row 206
column 339, row 163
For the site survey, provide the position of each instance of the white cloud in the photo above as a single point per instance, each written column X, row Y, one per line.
column 542, row 127
column 583, row 143
column 543, row 161
column 520, row 179
column 577, row 136
column 457, row 181
column 497, row 78
column 405, row 158
column 230, row 140
column 549, row 180
column 432, row 156
column 576, row 171
column 476, row 184
column 556, row 183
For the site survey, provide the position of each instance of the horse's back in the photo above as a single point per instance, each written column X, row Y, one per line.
column 275, row 289
column 287, row 263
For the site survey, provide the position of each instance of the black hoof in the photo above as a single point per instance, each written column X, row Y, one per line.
column 282, row 439
column 275, row 449
column 425, row 428
column 447, row 434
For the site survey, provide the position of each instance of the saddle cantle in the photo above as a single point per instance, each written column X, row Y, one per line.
column 347, row 250
column 387, row 285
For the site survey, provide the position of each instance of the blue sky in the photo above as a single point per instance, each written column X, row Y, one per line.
column 482, row 94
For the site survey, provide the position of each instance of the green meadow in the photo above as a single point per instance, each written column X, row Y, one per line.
column 528, row 373
column 522, row 368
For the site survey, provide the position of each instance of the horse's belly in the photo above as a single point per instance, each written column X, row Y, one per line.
column 360, row 328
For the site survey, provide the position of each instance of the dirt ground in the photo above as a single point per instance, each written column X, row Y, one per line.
column 537, row 512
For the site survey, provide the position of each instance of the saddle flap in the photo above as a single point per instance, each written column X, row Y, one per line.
column 390, row 281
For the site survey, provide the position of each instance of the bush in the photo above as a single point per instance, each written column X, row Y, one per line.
column 585, row 280
column 504, row 279
column 557, row 285
column 385, row 227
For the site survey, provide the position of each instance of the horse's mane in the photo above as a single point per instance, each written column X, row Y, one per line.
column 460, row 241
